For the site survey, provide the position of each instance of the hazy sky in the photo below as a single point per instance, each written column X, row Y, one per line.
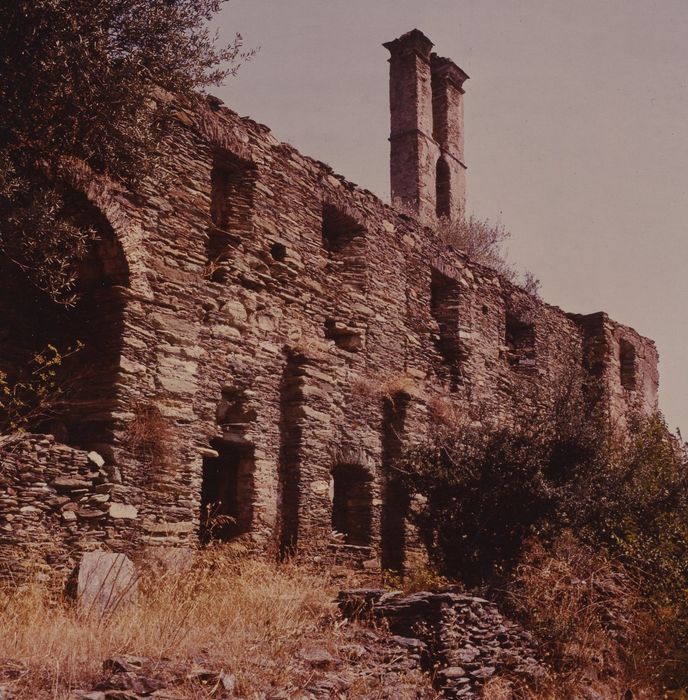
column 576, row 119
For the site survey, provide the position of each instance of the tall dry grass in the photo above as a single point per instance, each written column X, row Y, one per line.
column 238, row 614
column 592, row 623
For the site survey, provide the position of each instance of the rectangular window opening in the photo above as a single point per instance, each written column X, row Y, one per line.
column 227, row 492
column 520, row 342
column 445, row 297
column 627, row 365
column 232, row 188
column 344, row 240
column 352, row 504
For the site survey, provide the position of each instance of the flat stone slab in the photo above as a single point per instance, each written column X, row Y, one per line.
column 66, row 483
column 106, row 582
column 95, row 458
column 122, row 511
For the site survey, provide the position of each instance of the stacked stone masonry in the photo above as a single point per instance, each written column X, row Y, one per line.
column 462, row 639
column 262, row 337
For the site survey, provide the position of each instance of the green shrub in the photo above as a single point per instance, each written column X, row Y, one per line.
column 485, row 492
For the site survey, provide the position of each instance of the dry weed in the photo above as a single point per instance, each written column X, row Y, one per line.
column 149, row 435
column 444, row 412
column 246, row 615
column 588, row 615
column 309, row 348
column 384, row 387
column 422, row 578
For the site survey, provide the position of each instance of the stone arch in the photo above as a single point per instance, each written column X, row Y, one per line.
column 88, row 336
column 110, row 199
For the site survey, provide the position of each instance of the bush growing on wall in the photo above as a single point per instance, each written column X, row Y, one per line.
column 489, row 489
column 493, row 493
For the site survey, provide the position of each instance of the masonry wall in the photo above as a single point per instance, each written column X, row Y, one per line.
column 271, row 313
column 56, row 502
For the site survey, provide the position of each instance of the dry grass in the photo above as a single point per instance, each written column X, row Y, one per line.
column 388, row 387
column 246, row 615
column 497, row 689
column 230, row 612
column 149, row 435
column 590, row 619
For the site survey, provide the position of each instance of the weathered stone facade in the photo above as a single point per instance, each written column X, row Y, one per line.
column 262, row 336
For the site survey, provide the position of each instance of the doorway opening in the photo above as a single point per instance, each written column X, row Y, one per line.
column 227, row 492
column 352, row 504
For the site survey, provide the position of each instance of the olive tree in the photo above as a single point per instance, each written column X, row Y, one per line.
column 77, row 79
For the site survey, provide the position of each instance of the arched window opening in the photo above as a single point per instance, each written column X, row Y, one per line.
column 352, row 504
column 627, row 365
column 442, row 189
column 87, row 336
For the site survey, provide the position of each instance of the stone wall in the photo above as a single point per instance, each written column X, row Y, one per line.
column 463, row 640
column 56, row 502
column 280, row 334
column 622, row 366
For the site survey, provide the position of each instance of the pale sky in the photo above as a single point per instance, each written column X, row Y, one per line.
column 576, row 118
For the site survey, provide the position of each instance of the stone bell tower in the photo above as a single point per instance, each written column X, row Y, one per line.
column 427, row 169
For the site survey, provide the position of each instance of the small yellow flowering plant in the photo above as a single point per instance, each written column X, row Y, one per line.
column 35, row 392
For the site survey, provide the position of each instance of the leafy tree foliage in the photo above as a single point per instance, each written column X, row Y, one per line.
column 37, row 393
column 78, row 80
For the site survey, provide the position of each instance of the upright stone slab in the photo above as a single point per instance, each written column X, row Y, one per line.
column 106, row 582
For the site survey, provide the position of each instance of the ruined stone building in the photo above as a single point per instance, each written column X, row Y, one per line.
column 261, row 337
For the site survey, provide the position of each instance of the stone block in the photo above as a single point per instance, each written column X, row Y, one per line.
column 169, row 528
column 96, row 459
column 168, row 560
column 106, row 582
column 122, row 511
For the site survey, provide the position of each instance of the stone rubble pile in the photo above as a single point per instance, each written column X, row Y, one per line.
column 465, row 639
column 368, row 666
column 57, row 501
column 133, row 677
